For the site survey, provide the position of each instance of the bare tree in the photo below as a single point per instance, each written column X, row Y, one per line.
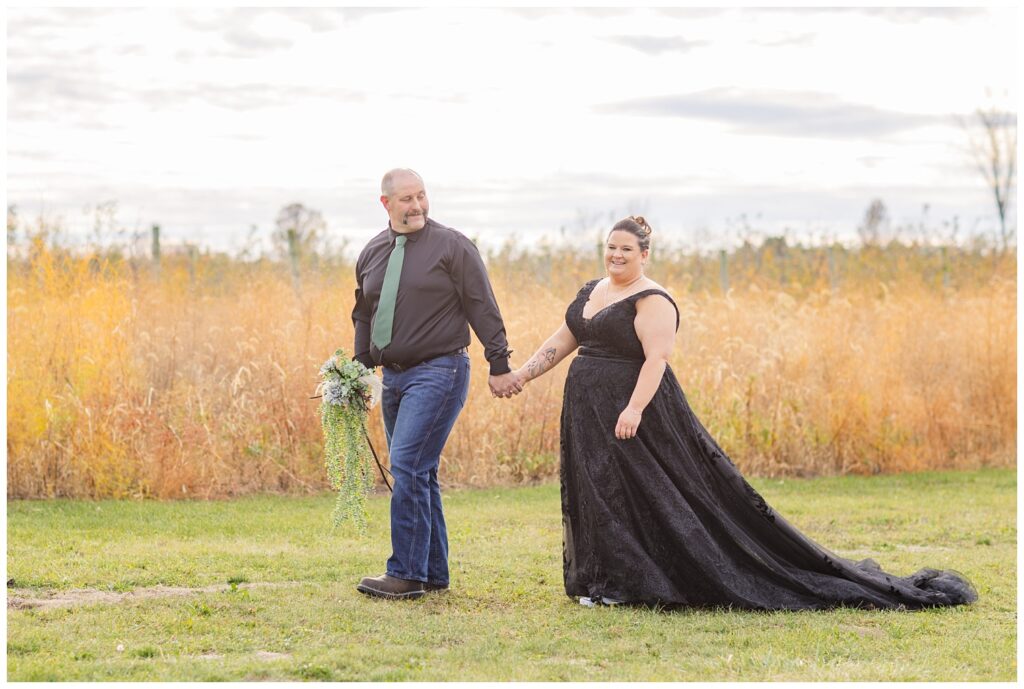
column 12, row 223
column 993, row 145
column 875, row 218
column 298, row 231
column 298, row 224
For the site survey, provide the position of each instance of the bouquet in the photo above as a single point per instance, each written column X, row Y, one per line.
column 348, row 391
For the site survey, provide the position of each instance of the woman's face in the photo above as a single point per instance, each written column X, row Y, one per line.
column 622, row 256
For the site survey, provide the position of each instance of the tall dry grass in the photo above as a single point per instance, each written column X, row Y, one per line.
column 198, row 384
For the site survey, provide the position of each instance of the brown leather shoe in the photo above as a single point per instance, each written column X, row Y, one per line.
column 434, row 588
column 390, row 587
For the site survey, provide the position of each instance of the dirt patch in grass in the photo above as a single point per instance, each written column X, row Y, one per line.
column 863, row 631
column 25, row 599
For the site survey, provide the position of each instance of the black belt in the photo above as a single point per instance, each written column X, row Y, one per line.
column 601, row 354
column 406, row 367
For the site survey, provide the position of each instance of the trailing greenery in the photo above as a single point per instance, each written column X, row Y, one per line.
column 506, row 617
column 348, row 390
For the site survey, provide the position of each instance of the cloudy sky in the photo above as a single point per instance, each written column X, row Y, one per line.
column 525, row 123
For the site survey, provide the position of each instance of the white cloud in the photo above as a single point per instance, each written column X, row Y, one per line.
column 203, row 120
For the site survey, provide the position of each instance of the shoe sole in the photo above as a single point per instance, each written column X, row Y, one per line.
column 410, row 595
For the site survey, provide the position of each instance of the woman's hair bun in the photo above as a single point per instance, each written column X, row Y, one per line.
column 636, row 226
column 639, row 220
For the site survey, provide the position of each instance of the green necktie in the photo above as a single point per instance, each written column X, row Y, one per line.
column 388, row 294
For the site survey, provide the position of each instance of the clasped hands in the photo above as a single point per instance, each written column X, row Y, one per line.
column 506, row 385
column 509, row 385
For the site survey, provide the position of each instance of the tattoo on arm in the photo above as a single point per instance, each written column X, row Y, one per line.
column 541, row 362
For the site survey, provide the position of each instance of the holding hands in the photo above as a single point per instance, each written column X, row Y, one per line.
column 506, row 385
column 556, row 348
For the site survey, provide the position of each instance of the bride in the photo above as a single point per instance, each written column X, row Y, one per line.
column 653, row 511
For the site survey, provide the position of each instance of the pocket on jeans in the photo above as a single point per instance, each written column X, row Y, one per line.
column 442, row 364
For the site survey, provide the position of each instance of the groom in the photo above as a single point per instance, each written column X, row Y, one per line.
column 419, row 287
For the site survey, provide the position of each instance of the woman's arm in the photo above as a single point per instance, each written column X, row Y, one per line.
column 560, row 345
column 655, row 325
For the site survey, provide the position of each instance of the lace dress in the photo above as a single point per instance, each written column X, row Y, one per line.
column 666, row 517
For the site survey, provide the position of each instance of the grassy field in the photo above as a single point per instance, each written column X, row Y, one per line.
column 261, row 588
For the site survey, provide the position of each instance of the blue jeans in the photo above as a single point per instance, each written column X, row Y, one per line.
column 420, row 407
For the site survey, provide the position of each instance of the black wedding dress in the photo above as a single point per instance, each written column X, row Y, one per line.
column 666, row 518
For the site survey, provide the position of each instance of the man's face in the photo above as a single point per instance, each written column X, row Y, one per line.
column 407, row 206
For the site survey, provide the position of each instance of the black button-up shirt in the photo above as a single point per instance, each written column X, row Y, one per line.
column 443, row 290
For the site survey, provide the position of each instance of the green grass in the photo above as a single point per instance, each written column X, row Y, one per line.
column 506, row 617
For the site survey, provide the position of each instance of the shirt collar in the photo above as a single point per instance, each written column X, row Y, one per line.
column 411, row 236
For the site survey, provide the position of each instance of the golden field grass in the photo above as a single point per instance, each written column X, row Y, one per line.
column 198, row 384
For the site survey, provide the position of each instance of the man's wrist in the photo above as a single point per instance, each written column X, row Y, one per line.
column 366, row 360
column 500, row 367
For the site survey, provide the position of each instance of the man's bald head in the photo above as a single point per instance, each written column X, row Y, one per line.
column 393, row 178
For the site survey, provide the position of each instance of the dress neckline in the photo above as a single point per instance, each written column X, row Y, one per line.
column 619, row 301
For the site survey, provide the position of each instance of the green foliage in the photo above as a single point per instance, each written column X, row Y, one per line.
column 199, row 609
column 347, row 395
column 316, row 673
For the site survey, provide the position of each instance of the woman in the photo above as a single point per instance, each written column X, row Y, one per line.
column 653, row 511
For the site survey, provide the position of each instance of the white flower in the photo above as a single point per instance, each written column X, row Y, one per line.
column 335, row 393
column 328, row 367
column 376, row 387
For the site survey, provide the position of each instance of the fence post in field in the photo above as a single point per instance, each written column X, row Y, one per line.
column 544, row 268
column 723, row 270
column 945, row 269
column 833, row 275
column 193, row 261
column 156, row 251
column 293, row 256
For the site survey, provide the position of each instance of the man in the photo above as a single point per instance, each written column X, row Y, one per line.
column 419, row 286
